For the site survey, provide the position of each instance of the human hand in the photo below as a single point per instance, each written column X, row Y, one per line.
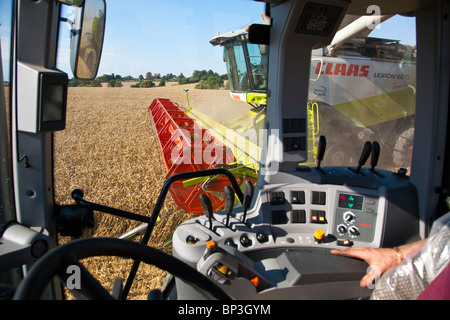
column 379, row 260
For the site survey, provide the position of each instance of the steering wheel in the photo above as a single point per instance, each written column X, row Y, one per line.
column 56, row 262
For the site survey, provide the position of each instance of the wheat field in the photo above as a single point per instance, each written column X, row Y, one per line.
column 108, row 150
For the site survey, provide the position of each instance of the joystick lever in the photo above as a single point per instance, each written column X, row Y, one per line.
column 229, row 202
column 207, row 208
column 248, row 195
column 364, row 155
column 375, row 155
column 321, row 151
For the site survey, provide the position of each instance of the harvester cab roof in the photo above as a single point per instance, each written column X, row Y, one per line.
column 260, row 232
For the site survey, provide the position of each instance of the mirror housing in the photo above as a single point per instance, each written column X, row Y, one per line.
column 259, row 34
column 77, row 3
column 87, row 35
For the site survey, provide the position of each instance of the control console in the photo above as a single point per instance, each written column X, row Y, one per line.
column 276, row 244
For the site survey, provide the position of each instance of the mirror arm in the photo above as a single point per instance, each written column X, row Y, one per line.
column 73, row 32
column 62, row 19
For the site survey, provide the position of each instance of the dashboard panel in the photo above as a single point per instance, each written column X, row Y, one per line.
column 294, row 220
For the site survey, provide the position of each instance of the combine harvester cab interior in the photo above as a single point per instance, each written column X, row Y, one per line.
column 270, row 212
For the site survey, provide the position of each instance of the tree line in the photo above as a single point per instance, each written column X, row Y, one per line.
column 204, row 79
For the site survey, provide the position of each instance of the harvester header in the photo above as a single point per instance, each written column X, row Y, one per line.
column 187, row 146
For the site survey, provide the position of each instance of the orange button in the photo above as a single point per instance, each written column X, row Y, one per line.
column 255, row 281
column 211, row 244
column 319, row 234
column 223, row 269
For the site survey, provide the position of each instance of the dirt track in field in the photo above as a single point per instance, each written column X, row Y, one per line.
column 109, row 152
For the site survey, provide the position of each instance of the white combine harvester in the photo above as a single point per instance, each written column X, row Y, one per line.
column 360, row 89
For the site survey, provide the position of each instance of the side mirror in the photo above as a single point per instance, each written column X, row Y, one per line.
column 87, row 35
column 259, row 34
column 77, row 3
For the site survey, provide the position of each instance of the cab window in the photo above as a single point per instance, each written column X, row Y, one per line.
column 6, row 200
column 364, row 90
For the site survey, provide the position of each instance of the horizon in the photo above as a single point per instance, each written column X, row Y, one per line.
column 152, row 43
column 179, row 45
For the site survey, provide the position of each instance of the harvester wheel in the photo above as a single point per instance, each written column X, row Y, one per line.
column 337, row 155
column 402, row 153
column 64, row 260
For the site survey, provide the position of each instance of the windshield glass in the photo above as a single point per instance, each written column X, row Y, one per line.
column 166, row 102
column 6, row 199
column 258, row 60
column 162, row 87
column 237, row 67
column 364, row 90
column 246, row 66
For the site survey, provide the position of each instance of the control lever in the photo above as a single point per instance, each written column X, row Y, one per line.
column 207, row 208
column 248, row 195
column 375, row 155
column 321, row 150
column 364, row 155
column 229, row 202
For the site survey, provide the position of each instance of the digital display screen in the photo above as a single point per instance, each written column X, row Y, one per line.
column 52, row 102
column 318, row 19
column 349, row 201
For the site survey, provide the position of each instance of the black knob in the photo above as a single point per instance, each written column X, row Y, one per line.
column 349, row 216
column 245, row 240
column 190, row 239
column 229, row 242
column 262, row 237
column 353, row 231
column 342, row 229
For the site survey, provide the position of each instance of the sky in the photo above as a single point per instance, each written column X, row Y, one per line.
column 172, row 36
column 166, row 36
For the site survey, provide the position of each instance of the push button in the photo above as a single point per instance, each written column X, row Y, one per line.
column 262, row 237
column 223, row 269
column 345, row 243
column 319, row 235
column 319, row 197
column 211, row 244
column 318, row 216
column 277, row 198
column 298, row 197
column 191, row 240
column 322, row 217
column 245, row 240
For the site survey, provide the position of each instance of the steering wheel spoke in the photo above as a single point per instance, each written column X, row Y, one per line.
column 57, row 261
column 90, row 288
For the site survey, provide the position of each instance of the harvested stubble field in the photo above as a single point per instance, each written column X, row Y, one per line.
column 109, row 153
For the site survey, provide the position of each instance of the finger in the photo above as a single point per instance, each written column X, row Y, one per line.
column 348, row 252
column 338, row 251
